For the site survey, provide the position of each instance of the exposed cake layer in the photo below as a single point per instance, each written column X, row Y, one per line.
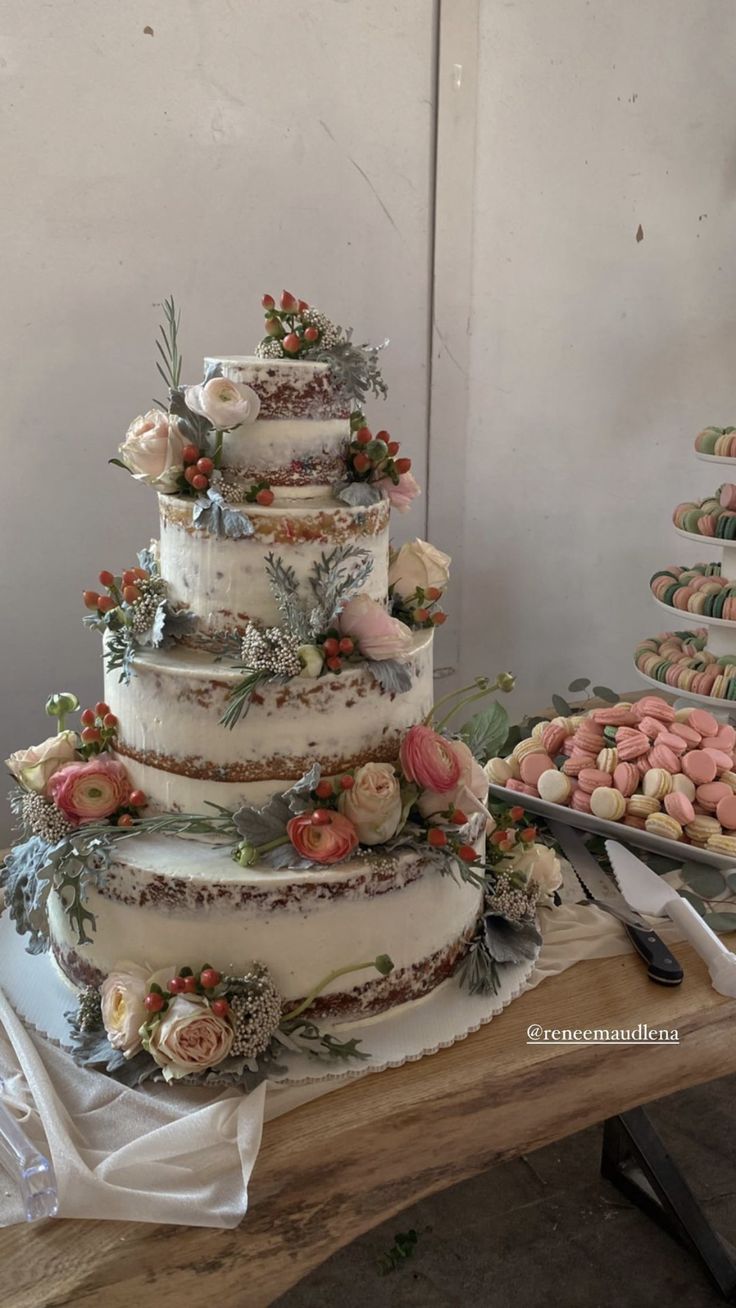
column 224, row 581
column 286, row 388
column 178, row 753
column 167, row 900
column 297, row 456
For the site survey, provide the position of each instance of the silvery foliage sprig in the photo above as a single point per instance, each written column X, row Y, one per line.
column 263, row 829
column 500, row 938
column 333, row 578
column 355, row 368
column 32, row 869
column 212, row 513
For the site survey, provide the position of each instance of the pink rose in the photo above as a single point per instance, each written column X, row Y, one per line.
column 429, row 759
column 401, row 496
column 33, row 768
column 322, row 835
column 375, row 632
column 472, row 781
column 189, row 1038
column 153, row 450
column 87, row 791
column 224, row 403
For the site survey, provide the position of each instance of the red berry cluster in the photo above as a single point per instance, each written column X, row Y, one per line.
column 286, row 323
column 374, row 456
column 509, row 831
column 260, row 493
column 99, row 729
column 336, row 649
column 119, row 590
column 198, row 469
column 329, row 789
column 442, row 838
column 187, row 982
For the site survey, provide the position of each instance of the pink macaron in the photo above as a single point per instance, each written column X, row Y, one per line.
column 662, row 757
column 591, row 778
column 685, row 732
column 616, row 716
column 626, row 778
column 521, row 787
column 590, row 738
column 699, row 766
column 726, row 812
column 673, row 742
column 533, row 765
column 704, row 722
column 679, row 807
column 580, row 801
column 655, row 707
column 723, row 762
column 572, row 767
column 651, row 727
column 553, row 738
column 632, row 746
column 710, row 795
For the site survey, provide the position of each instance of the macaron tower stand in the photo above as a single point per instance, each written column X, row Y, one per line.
column 721, row 633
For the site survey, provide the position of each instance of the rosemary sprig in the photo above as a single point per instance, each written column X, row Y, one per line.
column 241, row 697
column 168, row 346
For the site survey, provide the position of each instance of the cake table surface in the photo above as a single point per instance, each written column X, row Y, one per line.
column 340, row 1165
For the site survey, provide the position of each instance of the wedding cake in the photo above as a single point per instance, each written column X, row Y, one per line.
column 264, row 816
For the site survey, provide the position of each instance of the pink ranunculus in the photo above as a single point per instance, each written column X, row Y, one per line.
column 401, row 496
column 153, row 450
column 375, row 632
column 189, row 1037
column 472, row 780
column 429, row 759
column 87, row 791
column 322, row 835
column 224, row 403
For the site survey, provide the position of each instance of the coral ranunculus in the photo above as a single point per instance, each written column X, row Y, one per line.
column 324, row 836
column 472, row 780
column 86, row 792
column 429, row 760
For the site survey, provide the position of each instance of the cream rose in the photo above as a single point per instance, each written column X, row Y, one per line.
column 418, row 565
column 472, row 780
column 374, row 803
column 222, row 402
column 542, row 864
column 153, row 450
column 123, row 1011
column 189, row 1038
column 33, row 768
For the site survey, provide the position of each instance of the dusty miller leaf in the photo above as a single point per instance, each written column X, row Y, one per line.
column 510, row 942
column 392, row 676
column 212, row 513
column 26, row 878
column 359, row 494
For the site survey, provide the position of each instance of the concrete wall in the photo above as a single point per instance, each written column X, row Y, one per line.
column 233, row 149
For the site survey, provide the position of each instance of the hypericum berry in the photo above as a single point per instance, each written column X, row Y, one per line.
column 346, row 645
column 101, row 708
column 176, row 985
column 458, row 818
column 288, row 302
column 105, row 603
column 264, row 497
column 125, row 820
column 335, row 665
column 91, row 599
column 191, row 454
column 109, row 720
column 209, row 977
column 140, row 574
column 347, row 782
column 190, row 985
column 311, row 335
column 361, row 462
column 321, row 817
column 220, row 1007
column 88, row 718
column 190, row 473
column 466, row 853
column 331, row 647
column 528, row 835
column 516, row 813
column 130, row 577
column 107, row 579
column 131, row 594
column 268, row 302
column 205, row 466
column 324, row 789
column 439, row 618
column 291, row 343
column 154, row 1002
column 363, row 435
column 433, row 593
column 393, row 447
column 137, row 799
column 421, row 615
column 402, row 465
column 200, row 482
column 437, row 837
column 273, row 327
column 91, row 736
column 383, row 436
column 499, row 837
column 303, row 305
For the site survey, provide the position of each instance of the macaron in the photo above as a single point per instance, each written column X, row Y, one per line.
column 642, row 806
column 498, row 771
column 723, row 762
column 726, row 811
column 580, row 801
column 679, row 807
column 631, row 746
column 699, row 766
column 661, row 824
column 554, row 786
column 513, row 765
column 590, row 737
column 637, row 822
column 703, row 828
column 656, row 783
column 572, row 767
column 722, row 845
column 591, row 778
column 683, row 786
column 615, row 716
column 703, row 721
column 532, row 766
column 685, row 732
column 729, row 778
column 671, row 741
column 662, row 757
column 709, row 795
column 655, row 707
column 650, row 726
column 605, row 802
column 527, row 746
column 607, row 760
column 521, row 787
column 626, row 778
column 553, row 738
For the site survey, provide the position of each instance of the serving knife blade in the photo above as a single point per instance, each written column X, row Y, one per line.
column 662, row 966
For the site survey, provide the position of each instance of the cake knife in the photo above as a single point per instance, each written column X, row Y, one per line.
column 662, row 966
column 33, row 1173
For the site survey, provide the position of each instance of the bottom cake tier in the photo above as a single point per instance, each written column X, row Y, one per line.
column 166, row 900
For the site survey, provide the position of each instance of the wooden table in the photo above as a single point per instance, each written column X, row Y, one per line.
column 336, row 1167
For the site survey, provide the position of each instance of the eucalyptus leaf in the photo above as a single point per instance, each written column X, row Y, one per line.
column 721, row 921
column 579, row 684
column 731, row 880
column 705, row 881
column 485, row 732
column 561, row 706
column 604, row 692
column 694, row 900
column 392, row 676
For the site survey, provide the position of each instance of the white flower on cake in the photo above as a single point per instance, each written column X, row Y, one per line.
column 189, row 1037
column 418, row 566
column 33, row 768
column 123, row 993
column 373, row 805
column 224, row 403
column 377, row 634
column 311, row 660
column 472, row 781
column 541, row 864
column 153, row 450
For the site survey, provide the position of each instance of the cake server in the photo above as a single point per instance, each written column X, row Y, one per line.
column 662, row 966
column 648, row 893
column 33, row 1173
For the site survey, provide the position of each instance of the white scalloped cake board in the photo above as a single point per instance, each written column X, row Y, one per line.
column 41, row 995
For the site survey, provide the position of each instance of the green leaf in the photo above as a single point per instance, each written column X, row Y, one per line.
column 696, row 903
column 119, row 464
column 561, row 706
column 721, row 921
column 485, row 732
column 604, row 692
column 705, row 881
column 511, row 740
column 580, row 683
column 731, row 880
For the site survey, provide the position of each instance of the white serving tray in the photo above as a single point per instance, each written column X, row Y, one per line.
column 715, row 458
column 701, row 619
column 613, row 830
column 707, row 701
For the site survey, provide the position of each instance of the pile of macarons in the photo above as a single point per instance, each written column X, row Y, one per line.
column 680, row 660
column 700, row 590
column 669, row 772
column 720, row 441
column 714, row 516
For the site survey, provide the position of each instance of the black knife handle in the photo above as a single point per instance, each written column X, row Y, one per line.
column 662, row 966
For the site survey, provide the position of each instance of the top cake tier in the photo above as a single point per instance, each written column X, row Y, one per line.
column 286, row 388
